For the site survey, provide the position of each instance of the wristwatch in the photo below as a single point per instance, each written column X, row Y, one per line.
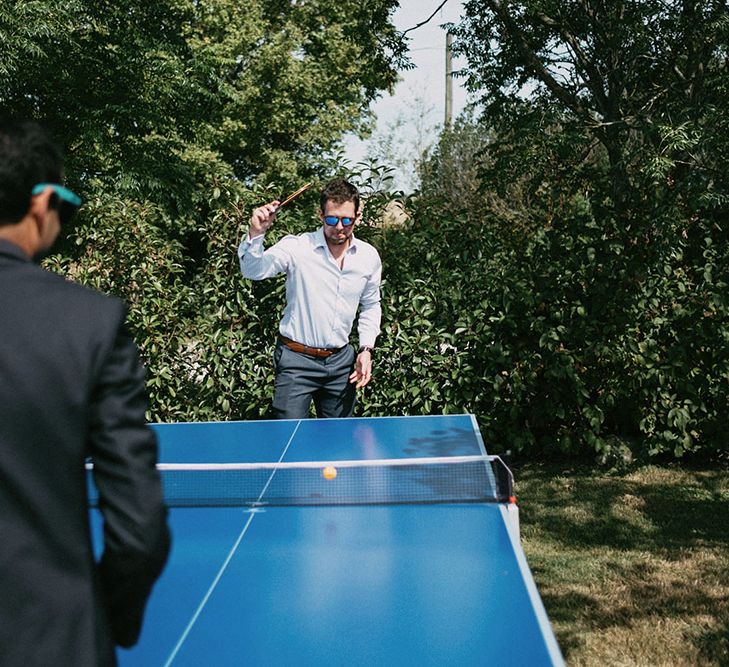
column 365, row 348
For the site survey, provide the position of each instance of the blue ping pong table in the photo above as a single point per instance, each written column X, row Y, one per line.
column 364, row 584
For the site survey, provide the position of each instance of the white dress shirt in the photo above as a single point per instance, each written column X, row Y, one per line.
column 321, row 298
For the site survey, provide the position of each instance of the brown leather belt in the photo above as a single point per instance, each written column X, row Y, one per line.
column 306, row 349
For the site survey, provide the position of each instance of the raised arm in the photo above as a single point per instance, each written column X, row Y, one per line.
column 262, row 218
column 255, row 264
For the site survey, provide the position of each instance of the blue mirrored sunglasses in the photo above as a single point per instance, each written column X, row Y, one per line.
column 69, row 201
column 332, row 220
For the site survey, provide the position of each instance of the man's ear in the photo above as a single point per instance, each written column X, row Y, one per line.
column 42, row 209
column 34, row 232
column 41, row 203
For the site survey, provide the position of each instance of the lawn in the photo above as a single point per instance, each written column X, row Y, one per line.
column 633, row 567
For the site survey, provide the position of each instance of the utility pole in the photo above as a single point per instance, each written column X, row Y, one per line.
column 448, row 79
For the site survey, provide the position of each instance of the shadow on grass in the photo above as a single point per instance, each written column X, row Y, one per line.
column 615, row 551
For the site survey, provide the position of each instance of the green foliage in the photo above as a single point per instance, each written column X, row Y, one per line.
column 563, row 273
column 581, row 338
column 637, row 84
column 451, row 171
column 176, row 118
column 593, row 247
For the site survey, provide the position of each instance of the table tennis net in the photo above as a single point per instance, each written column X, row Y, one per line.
column 384, row 481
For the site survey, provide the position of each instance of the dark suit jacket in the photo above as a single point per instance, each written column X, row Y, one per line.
column 71, row 386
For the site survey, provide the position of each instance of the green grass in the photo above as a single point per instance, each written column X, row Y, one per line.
column 632, row 567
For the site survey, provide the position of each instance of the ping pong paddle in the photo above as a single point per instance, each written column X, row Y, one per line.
column 294, row 195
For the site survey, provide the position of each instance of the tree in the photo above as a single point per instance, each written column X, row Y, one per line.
column 613, row 312
column 451, row 170
column 176, row 117
column 626, row 76
column 136, row 80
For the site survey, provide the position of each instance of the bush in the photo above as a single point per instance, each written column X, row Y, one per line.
column 584, row 337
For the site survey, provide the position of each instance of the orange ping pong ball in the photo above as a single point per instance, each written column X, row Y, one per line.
column 330, row 472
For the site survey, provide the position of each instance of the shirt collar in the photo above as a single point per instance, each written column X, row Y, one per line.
column 321, row 242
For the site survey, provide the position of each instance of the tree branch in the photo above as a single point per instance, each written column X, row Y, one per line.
column 422, row 23
column 594, row 80
column 559, row 91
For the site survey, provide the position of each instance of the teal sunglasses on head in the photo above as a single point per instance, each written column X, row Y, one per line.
column 69, row 201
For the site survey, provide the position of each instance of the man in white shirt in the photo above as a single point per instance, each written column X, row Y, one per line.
column 330, row 275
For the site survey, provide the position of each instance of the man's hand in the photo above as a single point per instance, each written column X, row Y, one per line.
column 362, row 369
column 262, row 218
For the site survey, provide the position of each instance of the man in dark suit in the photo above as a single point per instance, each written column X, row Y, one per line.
column 71, row 387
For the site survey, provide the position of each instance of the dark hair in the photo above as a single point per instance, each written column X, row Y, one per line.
column 28, row 156
column 339, row 191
